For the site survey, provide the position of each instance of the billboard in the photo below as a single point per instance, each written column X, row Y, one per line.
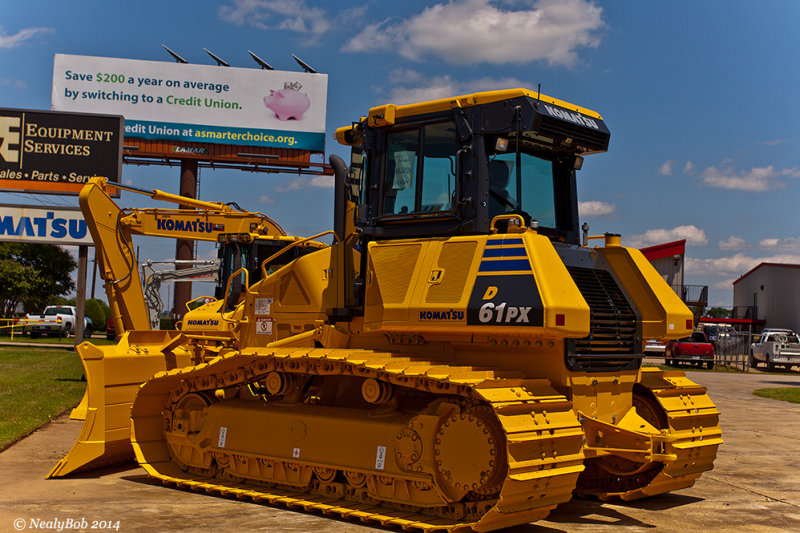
column 51, row 152
column 46, row 225
column 197, row 103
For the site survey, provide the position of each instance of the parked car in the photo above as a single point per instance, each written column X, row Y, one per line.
column 776, row 347
column 56, row 320
column 694, row 349
column 722, row 336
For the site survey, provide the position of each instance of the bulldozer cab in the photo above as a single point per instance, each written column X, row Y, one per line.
column 450, row 167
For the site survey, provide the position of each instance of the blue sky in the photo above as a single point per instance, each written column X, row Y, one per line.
column 699, row 97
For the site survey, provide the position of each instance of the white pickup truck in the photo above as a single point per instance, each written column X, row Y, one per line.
column 776, row 347
column 56, row 320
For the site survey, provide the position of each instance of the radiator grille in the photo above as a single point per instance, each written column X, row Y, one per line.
column 456, row 259
column 612, row 328
column 394, row 265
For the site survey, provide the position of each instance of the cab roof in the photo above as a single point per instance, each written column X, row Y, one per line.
column 387, row 114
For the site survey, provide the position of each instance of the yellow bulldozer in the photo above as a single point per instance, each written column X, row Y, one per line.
column 457, row 358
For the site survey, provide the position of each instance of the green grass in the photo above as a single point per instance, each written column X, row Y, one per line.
column 36, row 385
column 97, row 338
column 784, row 394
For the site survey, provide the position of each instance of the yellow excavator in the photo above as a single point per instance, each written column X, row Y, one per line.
column 456, row 359
column 245, row 240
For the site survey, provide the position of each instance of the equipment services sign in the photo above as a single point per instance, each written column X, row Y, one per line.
column 47, row 151
column 198, row 103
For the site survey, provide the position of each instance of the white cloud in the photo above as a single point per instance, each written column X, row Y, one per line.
column 757, row 179
column 266, row 199
column 732, row 243
column 291, row 15
column 774, row 142
column 666, row 168
column 18, row 85
column 725, row 284
column 789, row 244
column 301, row 183
column 694, row 237
column 737, row 264
column 595, row 208
column 294, row 185
column 322, row 181
column 481, row 31
column 688, row 168
column 424, row 89
column 10, row 41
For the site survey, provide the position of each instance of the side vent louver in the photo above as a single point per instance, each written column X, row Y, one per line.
column 612, row 342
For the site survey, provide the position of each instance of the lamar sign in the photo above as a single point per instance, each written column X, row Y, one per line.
column 54, row 152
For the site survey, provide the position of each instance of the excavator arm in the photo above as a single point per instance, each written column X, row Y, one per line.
column 112, row 227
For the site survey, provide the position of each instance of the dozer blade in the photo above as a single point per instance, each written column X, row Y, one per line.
column 79, row 413
column 113, row 377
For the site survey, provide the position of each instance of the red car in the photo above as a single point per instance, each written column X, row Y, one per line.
column 110, row 333
column 693, row 349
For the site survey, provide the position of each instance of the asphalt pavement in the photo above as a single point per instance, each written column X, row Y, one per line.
column 754, row 487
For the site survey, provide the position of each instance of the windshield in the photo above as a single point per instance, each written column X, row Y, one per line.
column 529, row 192
column 57, row 311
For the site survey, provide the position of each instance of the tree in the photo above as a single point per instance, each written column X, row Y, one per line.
column 718, row 312
column 33, row 274
column 16, row 282
column 106, row 311
column 94, row 311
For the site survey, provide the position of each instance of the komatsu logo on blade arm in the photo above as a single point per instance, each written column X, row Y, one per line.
column 197, row 226
column 208, row 322
column 575, row 118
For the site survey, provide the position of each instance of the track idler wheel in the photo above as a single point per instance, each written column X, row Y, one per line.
column 611, row 476
column 376, row 392
column 280, row 383
column 188, row 413
column 473, row 433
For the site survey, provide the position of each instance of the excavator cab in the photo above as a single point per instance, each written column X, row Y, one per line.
column 251, row 252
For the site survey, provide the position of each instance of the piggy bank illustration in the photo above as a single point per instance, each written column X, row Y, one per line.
column 287, row 104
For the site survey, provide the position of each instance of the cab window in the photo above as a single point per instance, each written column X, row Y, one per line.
column 420, row 170
column 532, row 195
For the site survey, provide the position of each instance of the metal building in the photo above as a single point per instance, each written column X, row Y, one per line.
column 769, row 292
column 668, row 259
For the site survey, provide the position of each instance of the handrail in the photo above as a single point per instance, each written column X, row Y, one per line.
column 296, row 243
